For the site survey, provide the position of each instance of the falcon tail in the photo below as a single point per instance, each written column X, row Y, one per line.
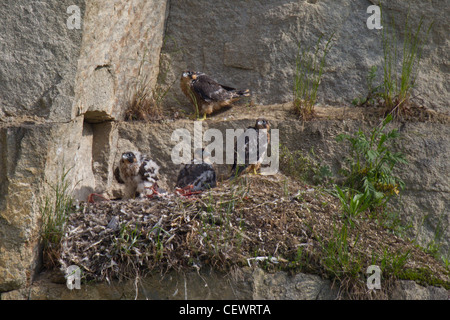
column 243, row 93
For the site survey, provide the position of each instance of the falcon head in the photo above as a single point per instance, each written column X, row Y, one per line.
column 262, row 123
column 129, row 157
column 202, row 156
column 190, row 75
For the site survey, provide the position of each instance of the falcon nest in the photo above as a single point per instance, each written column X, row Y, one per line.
column 270, row 221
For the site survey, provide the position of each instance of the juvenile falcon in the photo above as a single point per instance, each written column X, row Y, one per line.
column 206, row 94
column 254, row 148
column 198, row 175
column 138, row 173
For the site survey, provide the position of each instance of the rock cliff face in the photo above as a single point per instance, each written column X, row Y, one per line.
column 254, row 44
column 39, row 59
column 63, row 94
column 117, row 37
column 59, row 86
column 209, row 285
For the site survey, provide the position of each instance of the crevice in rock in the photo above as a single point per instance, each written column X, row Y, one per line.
column 83, row 164
column 103, row 152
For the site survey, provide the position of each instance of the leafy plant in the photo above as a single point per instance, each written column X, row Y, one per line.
column 157, row 234
column 446, row 261
column 392, row 222
column 216, row 221
column 309, row 65
column 194, row 101
column 434, row 246
column 371, row 163
column 302, row 260
column 352, row 203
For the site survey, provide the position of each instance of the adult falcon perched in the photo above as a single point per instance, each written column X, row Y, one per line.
column 249, row 157
column 206, row 94
column 198, row 175
column 138, row 173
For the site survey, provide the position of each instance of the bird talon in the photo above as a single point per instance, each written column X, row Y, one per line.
column 187, row 191
column 200, row 119
column 154, row 191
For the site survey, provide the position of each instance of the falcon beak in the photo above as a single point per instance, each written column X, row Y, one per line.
column 261, row 123
column 206, row 157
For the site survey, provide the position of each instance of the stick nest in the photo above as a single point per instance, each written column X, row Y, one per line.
column 272, row 221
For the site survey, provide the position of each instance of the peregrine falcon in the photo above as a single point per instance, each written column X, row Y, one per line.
column 198, row 175
column 206, row 94
column 138, row 173
column 252, row 146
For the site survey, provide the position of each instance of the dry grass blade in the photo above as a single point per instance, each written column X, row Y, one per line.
column 142, row 103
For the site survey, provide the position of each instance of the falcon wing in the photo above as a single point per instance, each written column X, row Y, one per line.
column 239, row 167
column 201, row 176
column 263, row 145
column 183, row 176
column 117, row 176
column 205, row 177
column 252, row 147
column 149, row 170
column 210, row 90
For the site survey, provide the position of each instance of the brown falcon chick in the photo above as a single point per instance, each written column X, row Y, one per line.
column 206, row 94
column 198, row 175
column 138, row 173
column 243, row 163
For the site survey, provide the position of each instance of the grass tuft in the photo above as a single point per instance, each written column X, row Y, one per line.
column 401, row 65
column 55, row 210
column 145, row 102
column 309, row 65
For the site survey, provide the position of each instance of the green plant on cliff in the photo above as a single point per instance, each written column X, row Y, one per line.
column 435, row 244
column 373, row 91
column 303, row 167
column 338, row 260
column 401, row 65
column 55, row 209
column 353, row 203
column 371, row 164
column 309, row 66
